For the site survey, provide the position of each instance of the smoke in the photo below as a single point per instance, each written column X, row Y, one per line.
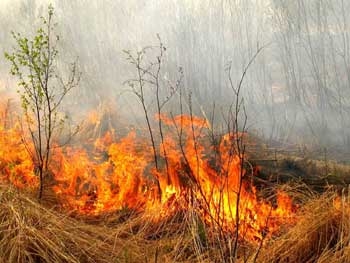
column 297, row 89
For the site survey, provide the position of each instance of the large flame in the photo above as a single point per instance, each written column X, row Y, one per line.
column 192, row 172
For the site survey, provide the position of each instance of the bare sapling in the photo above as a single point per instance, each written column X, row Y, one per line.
column 148, row 86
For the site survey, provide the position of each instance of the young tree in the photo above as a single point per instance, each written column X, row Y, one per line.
column 41, row 89
column 148, row 77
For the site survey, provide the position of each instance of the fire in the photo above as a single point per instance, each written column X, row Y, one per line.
column 119, row 174
column 16, row 165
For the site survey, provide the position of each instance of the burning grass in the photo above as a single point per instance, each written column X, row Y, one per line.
column 106, row 202
column 108, row 175
column 30, row 232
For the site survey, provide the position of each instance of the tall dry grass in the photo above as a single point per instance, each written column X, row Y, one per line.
column 321, row 234
column 31, row 233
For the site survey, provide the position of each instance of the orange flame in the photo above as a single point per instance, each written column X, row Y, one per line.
column 192, row 173
column 16, row 165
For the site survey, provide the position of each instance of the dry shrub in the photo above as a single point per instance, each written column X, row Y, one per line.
column 321, row 234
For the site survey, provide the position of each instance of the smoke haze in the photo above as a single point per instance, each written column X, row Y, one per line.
column 297, row 90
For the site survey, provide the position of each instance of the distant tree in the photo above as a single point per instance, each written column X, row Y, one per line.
column 41, row 89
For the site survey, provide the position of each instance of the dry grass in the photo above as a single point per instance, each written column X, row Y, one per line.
column 322, row 233
column 30, row 232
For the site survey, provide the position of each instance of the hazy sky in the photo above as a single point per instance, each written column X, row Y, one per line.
column 299, row 83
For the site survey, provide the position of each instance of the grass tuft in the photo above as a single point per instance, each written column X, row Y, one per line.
column 321, row 234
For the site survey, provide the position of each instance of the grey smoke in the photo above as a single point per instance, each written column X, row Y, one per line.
column 297, row 90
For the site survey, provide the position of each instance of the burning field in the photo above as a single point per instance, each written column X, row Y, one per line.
column 109, row 174
column 106, row 199
column 206, row 152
